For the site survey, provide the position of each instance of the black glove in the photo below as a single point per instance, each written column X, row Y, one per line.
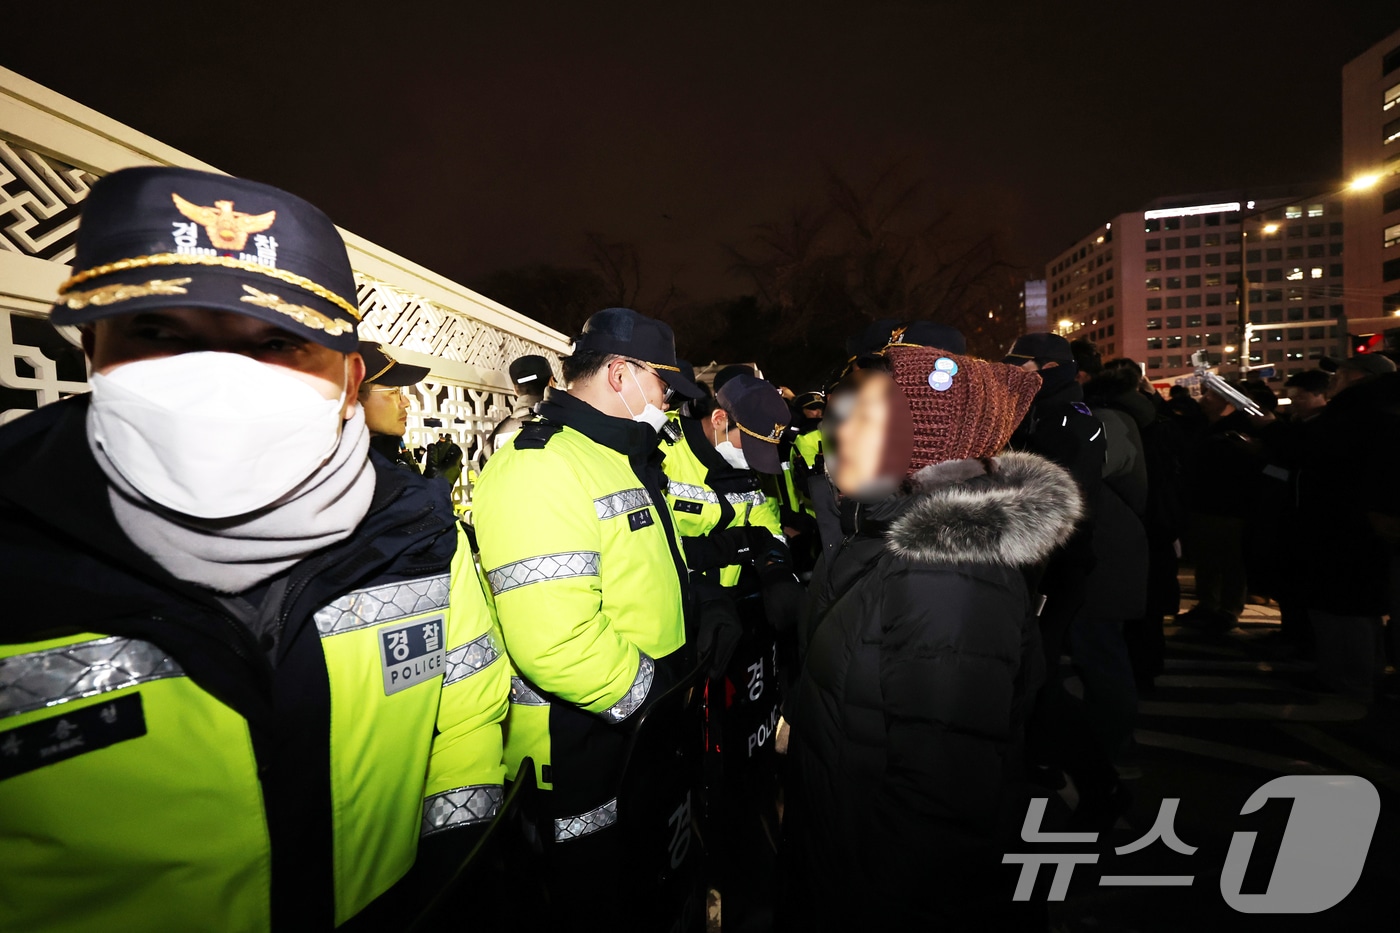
column 741, row 545
column 443, row 459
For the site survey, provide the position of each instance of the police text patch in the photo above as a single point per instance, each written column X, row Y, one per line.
column 685, row 505
column 640, row 519
column 70, row 734
column 412, row 653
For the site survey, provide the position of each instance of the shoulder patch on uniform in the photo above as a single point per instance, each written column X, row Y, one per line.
column 534, row 435
column 640, row 519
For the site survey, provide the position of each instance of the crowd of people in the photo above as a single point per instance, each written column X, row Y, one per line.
column 802, row 650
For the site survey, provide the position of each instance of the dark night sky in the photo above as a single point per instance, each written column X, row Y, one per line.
column 473, row 137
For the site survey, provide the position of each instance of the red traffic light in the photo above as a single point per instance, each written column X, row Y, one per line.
column 1366, row 343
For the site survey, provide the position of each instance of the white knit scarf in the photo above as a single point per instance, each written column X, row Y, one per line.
column 230, row 555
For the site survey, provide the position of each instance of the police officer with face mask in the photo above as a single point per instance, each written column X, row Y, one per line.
column 249, row 679
column 384, row 397
column 582, row 555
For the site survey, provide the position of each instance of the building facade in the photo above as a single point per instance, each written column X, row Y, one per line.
column 1156, row 285
column 1371, row 155
column 1034, row 306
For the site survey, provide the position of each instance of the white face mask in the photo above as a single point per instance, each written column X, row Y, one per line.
column 734, row 456
column 212, row 435
column 650, row 414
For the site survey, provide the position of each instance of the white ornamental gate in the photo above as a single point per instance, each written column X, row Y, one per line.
column 51, row 151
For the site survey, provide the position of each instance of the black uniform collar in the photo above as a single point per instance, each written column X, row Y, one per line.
column 628, row 437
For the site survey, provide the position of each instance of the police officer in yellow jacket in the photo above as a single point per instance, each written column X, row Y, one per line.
column 588, row 577
column 249, row 679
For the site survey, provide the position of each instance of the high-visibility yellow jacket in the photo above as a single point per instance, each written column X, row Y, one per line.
column 707, row 494
column 161, row 769
column 803, row 452
column 579, row 550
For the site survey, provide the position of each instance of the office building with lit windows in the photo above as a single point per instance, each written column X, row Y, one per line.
column 1160, row 283
column 1371, row 156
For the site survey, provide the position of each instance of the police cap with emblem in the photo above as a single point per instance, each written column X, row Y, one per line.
column 381, row 369
column 636, row 337
column 761, row 415
column 160, row 237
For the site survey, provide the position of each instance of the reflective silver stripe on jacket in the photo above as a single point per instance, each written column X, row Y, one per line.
column 462, row 806
column 522, row 694
column 572, row 827
column 756, row 497
column 474, row 656
column 56, row 675
column 378, row 604
column 695, row 493
column 646, row 670
column 549, row 567
column 620, row 503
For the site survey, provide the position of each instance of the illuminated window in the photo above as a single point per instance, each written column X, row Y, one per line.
column 1212, row 239
column 1392, row 235
column 1212, row 279
column 1154, row 343
column 1294, row 275
column 1154, row 323
column 1314, row 210
column 1315, row 272
column 1154, row 265
column 1392, row 97
column 1154, row 285
column 1174, row 342
column 1295, row 294
column 1294, row 354
column 1194, row 340
column 1193, row 320
column 1292, row 212
column 1390, row 132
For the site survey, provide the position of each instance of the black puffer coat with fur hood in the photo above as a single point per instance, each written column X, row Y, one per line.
column 920, row 656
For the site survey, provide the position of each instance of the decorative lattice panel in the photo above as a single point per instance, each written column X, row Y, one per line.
column 39, row 199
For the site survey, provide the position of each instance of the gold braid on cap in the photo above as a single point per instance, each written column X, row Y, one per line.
column 227, row 262
column 767, row 439
column 669, row 369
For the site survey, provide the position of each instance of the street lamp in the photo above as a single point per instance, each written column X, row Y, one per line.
column 1364, row 182
column 1270, row 228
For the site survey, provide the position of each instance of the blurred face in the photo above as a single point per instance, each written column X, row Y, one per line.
column 115, row 341
column 1303, row 402
column 1214, row 406
column 862, row 434
column 386, row 409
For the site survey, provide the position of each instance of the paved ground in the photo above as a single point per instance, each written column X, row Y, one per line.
column 1227, row 716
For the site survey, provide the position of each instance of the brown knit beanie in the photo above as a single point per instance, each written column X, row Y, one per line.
column 959, row 407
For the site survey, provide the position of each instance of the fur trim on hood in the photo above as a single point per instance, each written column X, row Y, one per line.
column 1016, row 514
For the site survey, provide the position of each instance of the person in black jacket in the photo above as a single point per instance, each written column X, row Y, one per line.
column 921, row 651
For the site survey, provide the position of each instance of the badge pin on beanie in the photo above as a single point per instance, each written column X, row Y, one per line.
column 941, row 378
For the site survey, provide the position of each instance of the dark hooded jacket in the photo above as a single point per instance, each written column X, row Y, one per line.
column 921, row 654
